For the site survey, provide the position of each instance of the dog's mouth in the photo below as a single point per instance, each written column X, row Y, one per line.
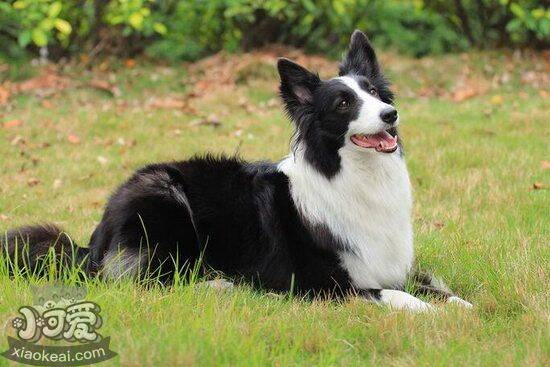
column 381, row 142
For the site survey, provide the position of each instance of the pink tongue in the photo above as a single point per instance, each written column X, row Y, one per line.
column 381, row 141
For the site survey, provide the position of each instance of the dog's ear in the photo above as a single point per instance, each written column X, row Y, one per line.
column 360, row 58
column 297, row 85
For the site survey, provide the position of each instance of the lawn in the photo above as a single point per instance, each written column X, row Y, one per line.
column 476, row 136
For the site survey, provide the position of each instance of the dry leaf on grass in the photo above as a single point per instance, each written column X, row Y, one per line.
column 130, row 63
column 47, row 104
column 102, row 160
column 172, row 102
column 3, row 217
column 168, row 102
column 126, row 143
column 439, row 224
column 105, row 86
column 463, row 94
column 18, row 139
column 4, row 95
column 73, row 139
column 33, row 181
column 12, row 123
column 211, row 120
column 47, row 82
column 538, row 186
column 545, row 164
column 57, row 183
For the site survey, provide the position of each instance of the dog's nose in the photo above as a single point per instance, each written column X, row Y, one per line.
column 389, row 115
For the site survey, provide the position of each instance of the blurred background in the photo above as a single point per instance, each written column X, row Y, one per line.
column 189, row 30
column 115, row 84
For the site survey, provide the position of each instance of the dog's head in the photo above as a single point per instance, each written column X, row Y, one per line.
column 351, row 111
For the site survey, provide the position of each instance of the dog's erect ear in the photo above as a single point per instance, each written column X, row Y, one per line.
column 360, row 58
column 297, row 84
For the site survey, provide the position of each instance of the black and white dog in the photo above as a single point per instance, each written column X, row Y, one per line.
column 331, row 219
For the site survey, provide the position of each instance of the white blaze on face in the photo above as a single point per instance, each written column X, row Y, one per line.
column 368, row 121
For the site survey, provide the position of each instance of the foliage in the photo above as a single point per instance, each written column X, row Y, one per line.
column 190, row 29
column 497, row 22
column 318, row 26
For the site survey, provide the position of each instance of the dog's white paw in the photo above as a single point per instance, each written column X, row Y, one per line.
column 459, row 301
column 399, row 300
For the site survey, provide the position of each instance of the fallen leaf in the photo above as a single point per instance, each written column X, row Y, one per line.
column 538, row 185
column 18, row 139
column 126, row 144
column 439, row 224
column 47, row 104
column 211, row 120
column 57, row 183
column 243, row 101
column 463, row 94
column 73, row 139
column 105, row 86
column 3, row 217
column 4, row 95
column 105, row 142
column 12, row 123
column 33, row 181
column 48, row 82
column 168, row 102
column 130, row 63
column 545, row 164
column 102, row 160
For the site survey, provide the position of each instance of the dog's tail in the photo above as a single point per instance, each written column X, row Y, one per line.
column 33, row 250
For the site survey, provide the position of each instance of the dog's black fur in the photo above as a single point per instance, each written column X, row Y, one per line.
column 234, row 217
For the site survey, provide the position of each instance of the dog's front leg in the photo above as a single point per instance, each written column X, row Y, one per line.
column 395, row 299
column 427, row 284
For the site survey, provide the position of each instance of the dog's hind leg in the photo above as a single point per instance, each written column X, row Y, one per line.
column 395, row 299
column 428, row 284
column 148, row 230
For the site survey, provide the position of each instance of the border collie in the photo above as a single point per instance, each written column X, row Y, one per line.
column 331, row 219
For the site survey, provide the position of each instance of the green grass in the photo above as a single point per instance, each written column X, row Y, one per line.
column 479, row 223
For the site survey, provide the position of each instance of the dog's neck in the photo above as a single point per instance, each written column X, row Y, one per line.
column 366, row 205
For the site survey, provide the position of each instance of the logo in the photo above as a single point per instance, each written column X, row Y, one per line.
column 60, row 314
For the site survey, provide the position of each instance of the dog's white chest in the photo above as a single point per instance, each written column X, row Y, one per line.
column 367, row 206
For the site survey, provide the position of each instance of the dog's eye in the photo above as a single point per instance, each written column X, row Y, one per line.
column 374, row 92
column 344, row 104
